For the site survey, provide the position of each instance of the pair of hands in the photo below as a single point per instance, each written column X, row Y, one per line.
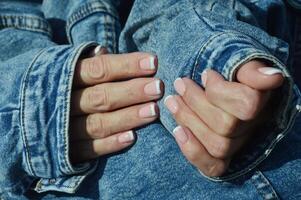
column 115, row 93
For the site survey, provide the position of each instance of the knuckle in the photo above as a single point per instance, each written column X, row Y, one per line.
column 227, row 125
column 217, row 168
column 131, row 88
column 96, row 126
column 250, row 104
column 99, row 98
column 98, row 68
column 213, row 90
column 221, row 149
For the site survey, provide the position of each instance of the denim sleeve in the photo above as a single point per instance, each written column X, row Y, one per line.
column 190, row 36
column 35, row 84
column 75, row 22
column 36, row 79
column 94, row 20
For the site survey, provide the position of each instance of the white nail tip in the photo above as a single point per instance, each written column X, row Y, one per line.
column 131, row 135
column 176, row 129
column 178, row 79
column 153, row 110
column 166, row 98
column 126, row 137
column 270, row 71
column 97, row 50
column 152, row 62
column 158, row 88
column 204, row 77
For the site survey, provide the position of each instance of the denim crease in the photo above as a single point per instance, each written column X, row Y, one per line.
column 41, row 42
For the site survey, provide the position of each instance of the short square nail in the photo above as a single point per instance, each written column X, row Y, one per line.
column 180, row 135
column 153, row 88
column 148, row 111
column 180, row 86
column 269, row 71
column 148, row 63
column 171, row 104
column 100, row 50
column 204, row 77
column 126, row 137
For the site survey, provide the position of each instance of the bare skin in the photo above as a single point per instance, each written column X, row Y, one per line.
column 112, row 95
column 215, row 121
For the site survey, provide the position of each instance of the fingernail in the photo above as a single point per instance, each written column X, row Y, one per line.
column 148, row 111
column 204, row 77
column 180, row 86
column 171, row 104
column 99, row 50
column 149, row 63
column 153, row 88
column 270, row 71
column 180, row 135
column 126, row 137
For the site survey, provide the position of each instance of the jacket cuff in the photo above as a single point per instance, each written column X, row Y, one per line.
column 226, row 53
column 45, row 110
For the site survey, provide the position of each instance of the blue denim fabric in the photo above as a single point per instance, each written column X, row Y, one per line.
column 188, row 36
column 295, row 3
column 211, row 38
column 36, row 79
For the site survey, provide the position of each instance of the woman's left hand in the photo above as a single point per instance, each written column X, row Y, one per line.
column 217, row 121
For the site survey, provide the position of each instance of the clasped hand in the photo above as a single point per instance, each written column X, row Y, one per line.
column 114, row 94
column 217, row 120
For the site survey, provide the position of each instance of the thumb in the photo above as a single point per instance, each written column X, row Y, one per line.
column 259, row 76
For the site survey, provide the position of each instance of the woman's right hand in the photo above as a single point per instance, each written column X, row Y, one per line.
column 112, row 94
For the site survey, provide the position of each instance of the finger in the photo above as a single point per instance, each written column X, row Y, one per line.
column 84, row 150
column 102, row 125
column 195, row 98
column 216, row 145
column 195, row 152
column 109, row 67
column 115, row 95
column 257, row 75
column 235, row 98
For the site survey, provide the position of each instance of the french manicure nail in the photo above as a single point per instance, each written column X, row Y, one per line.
column 153, row 88
column 100, row 50
column 204, row 77
column 171, row 104
column 148, row 63
column 270, row 71
column 180, row 135
column 148, row 111
column 126, row 137
column 180, row 86
column 97, row 50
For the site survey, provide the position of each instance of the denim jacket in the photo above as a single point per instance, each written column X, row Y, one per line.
column 40, row 46
column 221, row 35
column 42, row 41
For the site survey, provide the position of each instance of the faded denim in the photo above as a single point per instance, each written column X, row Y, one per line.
column 188, row 36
